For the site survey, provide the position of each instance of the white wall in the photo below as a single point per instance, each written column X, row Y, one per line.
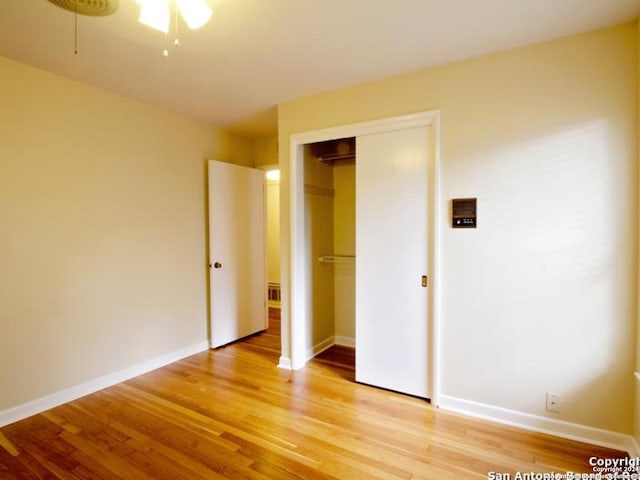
column 103, row 247
column 542, row 295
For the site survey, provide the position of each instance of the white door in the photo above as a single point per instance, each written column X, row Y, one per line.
column 236, row 252
column 391, row 258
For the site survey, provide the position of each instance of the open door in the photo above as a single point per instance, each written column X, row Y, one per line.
column 236, row 252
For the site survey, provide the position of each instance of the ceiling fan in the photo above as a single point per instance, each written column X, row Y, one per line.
column 153, row 13
column 93, row 8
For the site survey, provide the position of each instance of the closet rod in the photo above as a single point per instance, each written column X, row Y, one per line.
column 337, row 258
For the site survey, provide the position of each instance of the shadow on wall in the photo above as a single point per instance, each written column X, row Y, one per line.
column 553, row 284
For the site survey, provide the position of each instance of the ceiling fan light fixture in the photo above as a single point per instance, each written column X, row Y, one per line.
column 155, row 14
column 196, row 13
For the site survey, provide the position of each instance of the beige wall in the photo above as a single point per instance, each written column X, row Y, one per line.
column 103, row 231
column 541, row 297
column 273, row 232
column 344, row 240
column 266, row 151
column 636, row 430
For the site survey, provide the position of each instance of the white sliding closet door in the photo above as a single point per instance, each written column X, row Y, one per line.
column 392, row 248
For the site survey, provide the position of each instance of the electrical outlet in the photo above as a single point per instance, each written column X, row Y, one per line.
column 553, row 402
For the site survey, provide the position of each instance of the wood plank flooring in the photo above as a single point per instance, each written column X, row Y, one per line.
column 231, row 414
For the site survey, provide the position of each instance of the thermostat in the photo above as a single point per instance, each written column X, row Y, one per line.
column 464, row 213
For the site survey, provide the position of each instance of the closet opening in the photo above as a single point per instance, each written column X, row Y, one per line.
column 330, row 243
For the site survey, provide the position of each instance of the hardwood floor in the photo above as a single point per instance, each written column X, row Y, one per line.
column 231, row 414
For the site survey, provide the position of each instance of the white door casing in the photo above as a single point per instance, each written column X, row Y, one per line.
column 392, row 245
column 236, row 252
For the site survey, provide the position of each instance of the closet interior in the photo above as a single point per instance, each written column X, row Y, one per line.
column 330, row 236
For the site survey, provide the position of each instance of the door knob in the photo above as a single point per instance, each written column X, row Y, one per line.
column 217, row 265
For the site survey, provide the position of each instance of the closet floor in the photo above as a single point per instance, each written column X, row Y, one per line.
column 338, row 356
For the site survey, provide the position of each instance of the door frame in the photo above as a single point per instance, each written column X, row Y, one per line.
column 298, row 273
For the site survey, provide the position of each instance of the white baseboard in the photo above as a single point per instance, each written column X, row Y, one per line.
column 536, row 423
column 634, row 448
column 55, row 399
column 636, row 434
column 328, row 343
column 319, row 348
column 345, row 341
column 285, row 363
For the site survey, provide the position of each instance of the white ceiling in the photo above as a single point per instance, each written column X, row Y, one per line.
column 255, row 54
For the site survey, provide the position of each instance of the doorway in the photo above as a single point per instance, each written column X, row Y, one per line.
column 272, row 202
column 329, row 206
column 300, row 315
